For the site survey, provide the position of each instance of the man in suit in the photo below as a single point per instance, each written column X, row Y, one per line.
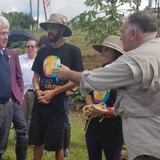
column 16, row 97
column 6, row 110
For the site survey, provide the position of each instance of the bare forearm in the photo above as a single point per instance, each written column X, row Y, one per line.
column 70, row 85
column 89, row 99
column 74, row 76
column 35, row 81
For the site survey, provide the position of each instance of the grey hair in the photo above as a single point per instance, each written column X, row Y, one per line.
column 4, row 23
column 145, row 20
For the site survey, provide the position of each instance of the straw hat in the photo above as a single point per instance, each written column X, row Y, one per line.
column 57, row 19
column 113, row 42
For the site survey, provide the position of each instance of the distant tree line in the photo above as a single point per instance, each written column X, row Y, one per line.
column 103, row 18
column 20, row 20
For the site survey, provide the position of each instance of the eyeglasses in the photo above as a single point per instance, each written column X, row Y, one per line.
column 31, row 46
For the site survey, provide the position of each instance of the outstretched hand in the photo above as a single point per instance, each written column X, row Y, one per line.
column 63, row 72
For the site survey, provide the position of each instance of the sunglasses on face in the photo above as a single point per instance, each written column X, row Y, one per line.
column 30, row 46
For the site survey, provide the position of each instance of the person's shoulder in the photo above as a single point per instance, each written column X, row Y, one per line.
column 11, row 53
column 125, row 60
column 23, row 56
column 71, row 46
column 43, row 49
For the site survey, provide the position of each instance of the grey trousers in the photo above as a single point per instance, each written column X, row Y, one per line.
column 146, row 157
column 6, row 115
column 27, row 106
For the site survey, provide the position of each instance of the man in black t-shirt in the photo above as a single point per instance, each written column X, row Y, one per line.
column 48, row 115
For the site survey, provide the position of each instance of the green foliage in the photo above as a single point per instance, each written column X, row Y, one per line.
column 104, row 18
column 77, row 96
column 78, row 148
column 20, row 20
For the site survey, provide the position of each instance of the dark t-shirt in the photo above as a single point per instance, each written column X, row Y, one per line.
column 49, row 58
column 5, row 77
column 108, row 127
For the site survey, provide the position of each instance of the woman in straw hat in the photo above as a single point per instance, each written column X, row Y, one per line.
column 105, row 134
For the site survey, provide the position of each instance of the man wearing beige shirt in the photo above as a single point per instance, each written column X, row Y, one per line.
column 137, row 77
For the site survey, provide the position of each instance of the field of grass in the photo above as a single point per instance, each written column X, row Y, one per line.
column 77, row 149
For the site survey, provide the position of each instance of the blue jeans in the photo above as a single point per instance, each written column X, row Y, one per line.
column 111, row 146
column 27, row 106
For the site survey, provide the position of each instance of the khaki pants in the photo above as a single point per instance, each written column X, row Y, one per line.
column 27, row 106
column 146, row 157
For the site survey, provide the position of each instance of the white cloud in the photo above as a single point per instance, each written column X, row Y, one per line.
column 69, row 8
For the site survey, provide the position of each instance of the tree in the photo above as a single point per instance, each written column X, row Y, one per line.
column 104, row 18
column 20, row 20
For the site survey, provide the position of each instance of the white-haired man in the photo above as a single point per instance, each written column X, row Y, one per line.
column 6, row 110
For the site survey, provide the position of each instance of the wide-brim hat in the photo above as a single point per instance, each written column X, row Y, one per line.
column 113, row 42
column 60, row 20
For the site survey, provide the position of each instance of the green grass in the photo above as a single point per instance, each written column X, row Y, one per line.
column 77, row 148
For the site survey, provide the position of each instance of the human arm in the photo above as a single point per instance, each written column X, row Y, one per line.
column 89, row 99
column 122, row 72
column 37, row 89
column 66, row 73
column 19, row 76
column 49, row 94
column 76, row 67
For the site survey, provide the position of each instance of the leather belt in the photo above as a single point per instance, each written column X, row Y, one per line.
column 30, row 90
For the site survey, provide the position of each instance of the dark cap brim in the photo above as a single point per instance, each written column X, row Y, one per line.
column 99, row 48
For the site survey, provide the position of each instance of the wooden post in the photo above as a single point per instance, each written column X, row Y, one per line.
column 30, row 4
column 37, row 14
column 158, row 17
column 44, row 7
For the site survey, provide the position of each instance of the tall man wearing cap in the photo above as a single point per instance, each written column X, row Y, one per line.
column 48, row 114
column 136, row 75
column 6, row 110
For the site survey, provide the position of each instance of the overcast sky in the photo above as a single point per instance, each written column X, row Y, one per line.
column 70, row 8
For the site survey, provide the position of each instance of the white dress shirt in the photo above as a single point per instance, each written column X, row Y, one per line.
column 26, row 65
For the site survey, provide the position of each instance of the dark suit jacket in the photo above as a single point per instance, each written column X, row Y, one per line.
column 16, row 75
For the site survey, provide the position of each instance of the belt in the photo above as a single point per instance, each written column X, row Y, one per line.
column 30, row 90
column 4, row 100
